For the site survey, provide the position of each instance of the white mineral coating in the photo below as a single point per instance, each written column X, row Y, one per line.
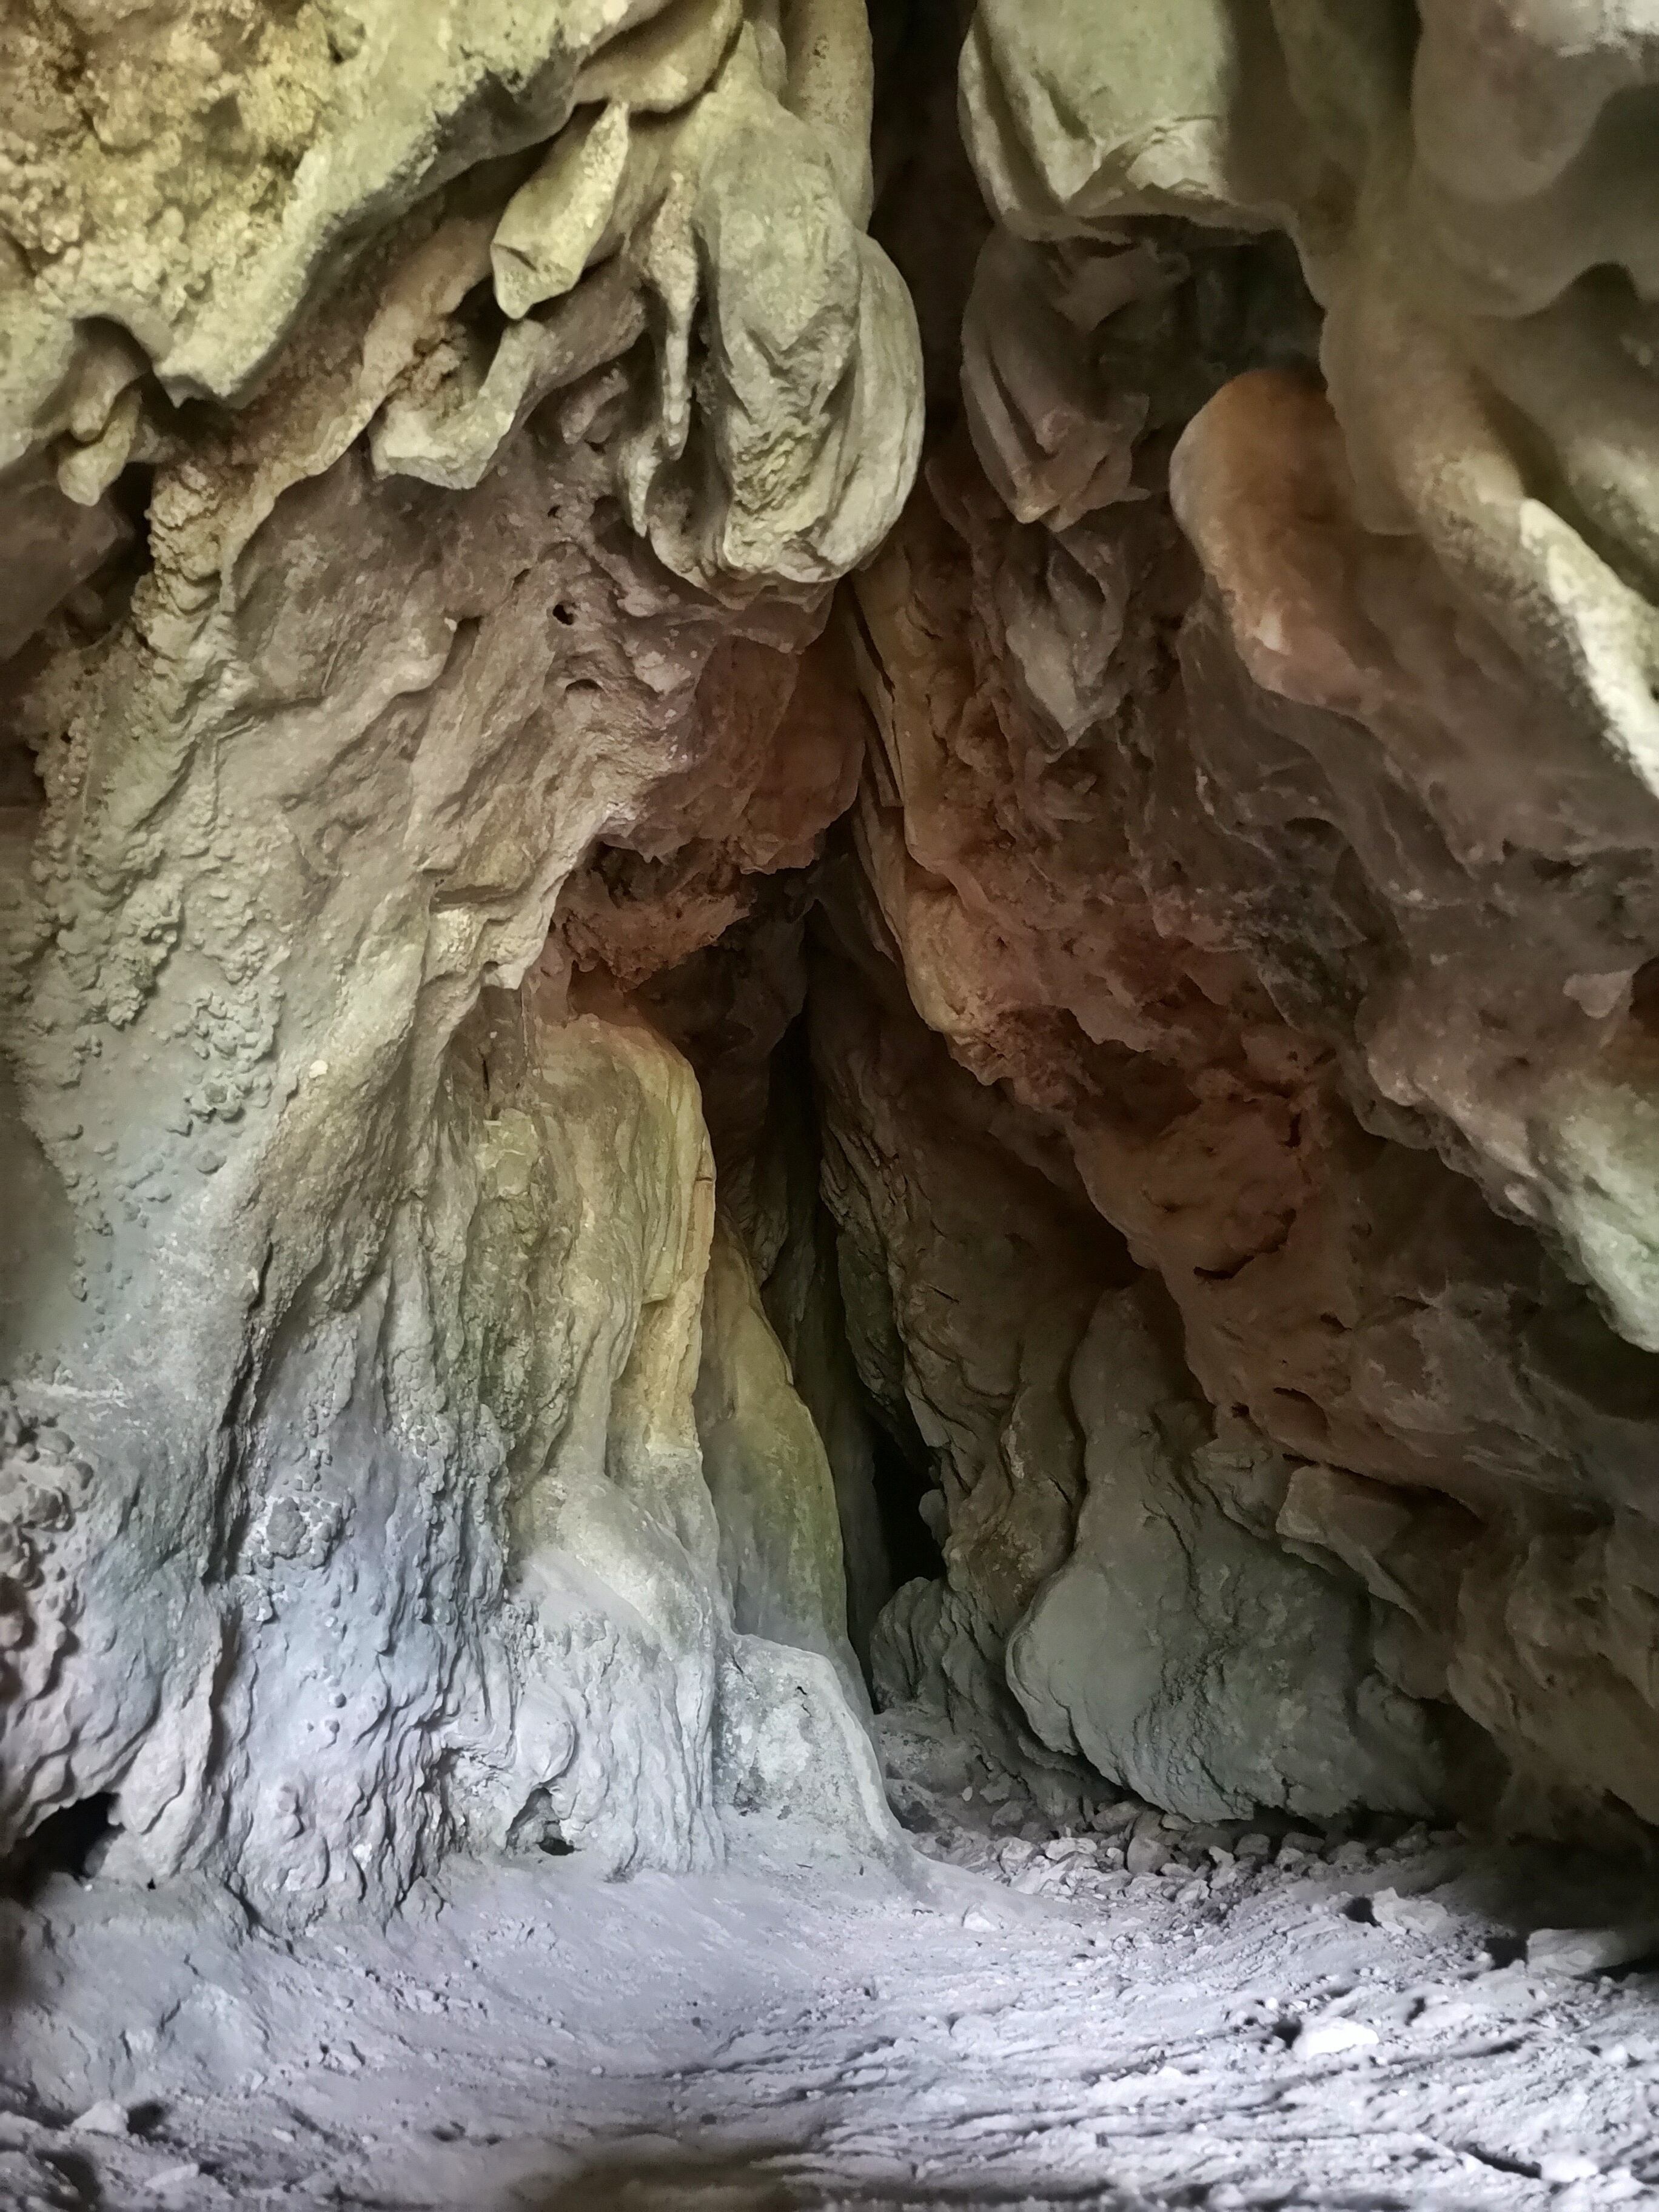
column 768, row 1474
column 1333, row 2038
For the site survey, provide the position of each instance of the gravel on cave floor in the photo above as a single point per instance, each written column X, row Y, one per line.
column 529, row 2037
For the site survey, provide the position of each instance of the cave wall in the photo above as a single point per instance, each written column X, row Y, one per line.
column 1263, row 681
column 600, row 1152
column 355, row 1302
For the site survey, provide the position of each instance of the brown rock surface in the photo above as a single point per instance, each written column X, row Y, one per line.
column 1305, row 888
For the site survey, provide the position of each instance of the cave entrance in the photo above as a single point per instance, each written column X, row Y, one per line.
column 74, row 1840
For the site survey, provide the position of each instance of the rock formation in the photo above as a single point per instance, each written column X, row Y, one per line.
column 1305, row 886
column 595, row 1146
column 428, row 449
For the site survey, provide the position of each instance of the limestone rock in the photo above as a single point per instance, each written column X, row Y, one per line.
column 1265, row 803
column 1188, row 1659
column 365, row 587
column 208, row 184
column 1411, row 1916
column 1581, row 1951
column 106, row 2117
column 767, row 1473
column 571, row 1134
column 791, row 1745
column 1460, row 689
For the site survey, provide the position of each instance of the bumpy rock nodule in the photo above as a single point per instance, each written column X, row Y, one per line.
column 427, row 460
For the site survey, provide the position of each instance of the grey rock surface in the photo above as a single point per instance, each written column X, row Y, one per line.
column 428, row 437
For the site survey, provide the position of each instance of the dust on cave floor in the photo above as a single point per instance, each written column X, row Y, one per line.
column 1337, row 2024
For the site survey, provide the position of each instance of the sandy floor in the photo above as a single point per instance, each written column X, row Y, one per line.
column 779, row 2036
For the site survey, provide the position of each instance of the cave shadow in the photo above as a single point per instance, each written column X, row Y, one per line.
column 19, row 1989
column 1516, row 1888
column 15, row 1978
column 752, row 2178
column 69, row 1843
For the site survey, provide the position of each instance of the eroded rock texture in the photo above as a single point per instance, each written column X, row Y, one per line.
column 1264, row 803
column 590, row 1155
column 428, row 435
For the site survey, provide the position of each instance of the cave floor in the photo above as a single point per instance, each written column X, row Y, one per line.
column 530, row 2038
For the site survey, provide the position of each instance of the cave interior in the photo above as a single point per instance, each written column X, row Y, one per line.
column 828, row 918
